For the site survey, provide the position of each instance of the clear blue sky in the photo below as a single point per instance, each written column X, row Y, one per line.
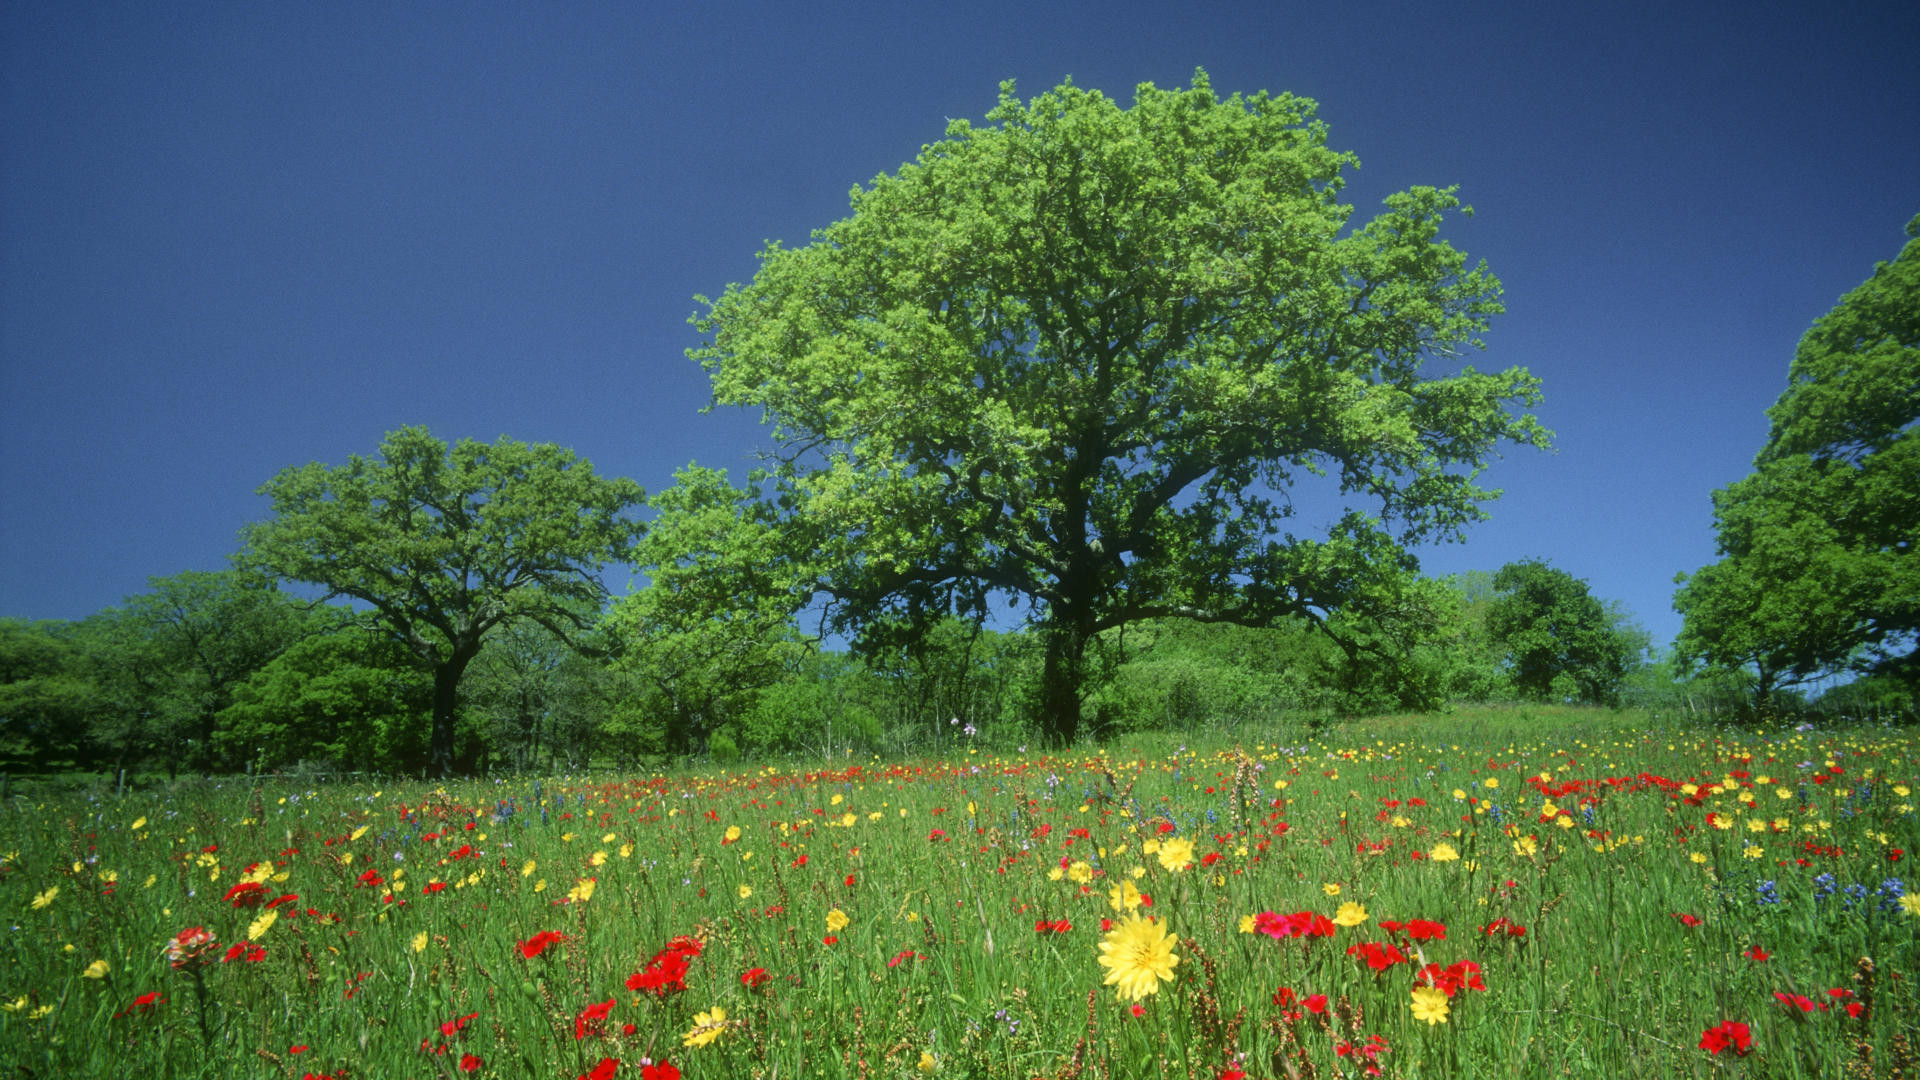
column 236, row 237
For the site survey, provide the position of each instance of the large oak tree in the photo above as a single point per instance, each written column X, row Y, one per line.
column 443, row 544
column 1082, row 356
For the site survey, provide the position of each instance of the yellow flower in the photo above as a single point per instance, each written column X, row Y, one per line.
column 928, row 1062
column 1698, row 856
column 1443, row 853
column 1056, row 874
column 1246, row 924
column 1493, row 782
column 598, row 858
column 847, row 819
column 1138, row 956
column 746, row 891
column 420, row 941
column 96, row 970
column 609, row 838
column 1526, row 846
column 1752, row 851
column 1080, row 873
column 707, row 1027
column 259, row 927
column 836, row 921
column 45, row 898
column 733, row 833
column 526, row 868
column 1124, row 896
column 626, row 851
column 1176, row 854
column 1910, row 903
column 139, row 822
column 358, row 833
column 1430, row 1004
column 1350, row 914
column 582, row 892
column 1330, row 889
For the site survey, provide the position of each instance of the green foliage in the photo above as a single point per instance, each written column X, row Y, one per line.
column 444, row 544
column 340, row 699
column 1562, row 643
column 1817, row 571
column 1079, row 356
column 714, row 623
column 46, row 699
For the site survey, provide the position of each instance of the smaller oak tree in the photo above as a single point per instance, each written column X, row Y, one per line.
column 445, row 544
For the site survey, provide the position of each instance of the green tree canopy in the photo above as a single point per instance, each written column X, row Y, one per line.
column 1079, row 357
column 1560, row 640
column 1817, row 570
column 443, row 544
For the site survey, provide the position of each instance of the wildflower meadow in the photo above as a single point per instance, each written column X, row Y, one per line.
column 1592, row 895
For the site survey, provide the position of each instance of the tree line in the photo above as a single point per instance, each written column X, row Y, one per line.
column 1089, row 417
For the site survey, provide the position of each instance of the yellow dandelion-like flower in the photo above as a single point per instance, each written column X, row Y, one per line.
column 848, row 819
column 1910, row 903
column 609, row 838
column 1176, row 854
column 598, row 858
column 527, row 868
column 1080, row 873
column 1124, row 896
column 1443, row 853
column 707, row 1027
column 1138, row 955
column 1350, row 914
column 258, row 928
column 43, row 899
column 1698, row 856
column 1526, row 846
column 1246, row 924
column 1430, row 1004
column 1752, row 851
column 837, row 921
column 1493, row 782
column 733, row 833
column 96, row 970
column 746, row 891
column 1331, row 889
column 928, row 1062
column 419, row 942
column 582, row 892
column 1056, row 874
column 139, row 822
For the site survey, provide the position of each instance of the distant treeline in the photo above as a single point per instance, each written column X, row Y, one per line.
column 223, row 672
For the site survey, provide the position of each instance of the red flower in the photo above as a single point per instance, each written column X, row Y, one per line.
column 1378, row 956
column 1727, row 1034
column 753, row 978
column 1757, row 954
column 1316, row 1004
column 1688, row 921
column 1233, row 1072
column 470, row 1063
column 1799, row 1001
column 904, row 956
column 588, row 1022
column 602, row 1071
column 246, row 893
column 538, row 943
column 661, row 1071
column 1426, row 930
column 456, row 1026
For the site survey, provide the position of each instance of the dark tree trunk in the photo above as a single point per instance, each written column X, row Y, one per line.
column 446, row 702
column 1062, row 682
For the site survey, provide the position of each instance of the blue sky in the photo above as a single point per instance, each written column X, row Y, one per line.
column 237, row 237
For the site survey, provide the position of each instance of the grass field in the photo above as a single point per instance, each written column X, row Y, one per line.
column 1548, row 894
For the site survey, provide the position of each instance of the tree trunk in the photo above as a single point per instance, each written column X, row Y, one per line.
column 446, row 702
column 1062, row 681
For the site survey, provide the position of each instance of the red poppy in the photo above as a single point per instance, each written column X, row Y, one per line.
column 1799, row 1001
column 753, row 978
column 588, row 1022
column 1377, row 955
column 1688, row 921
column 660, row 1071
column 602, row 1071
column 538, row 943
column 1727, row 1034
column 246, row 893
column 470, row 1063
column 1757, row 954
